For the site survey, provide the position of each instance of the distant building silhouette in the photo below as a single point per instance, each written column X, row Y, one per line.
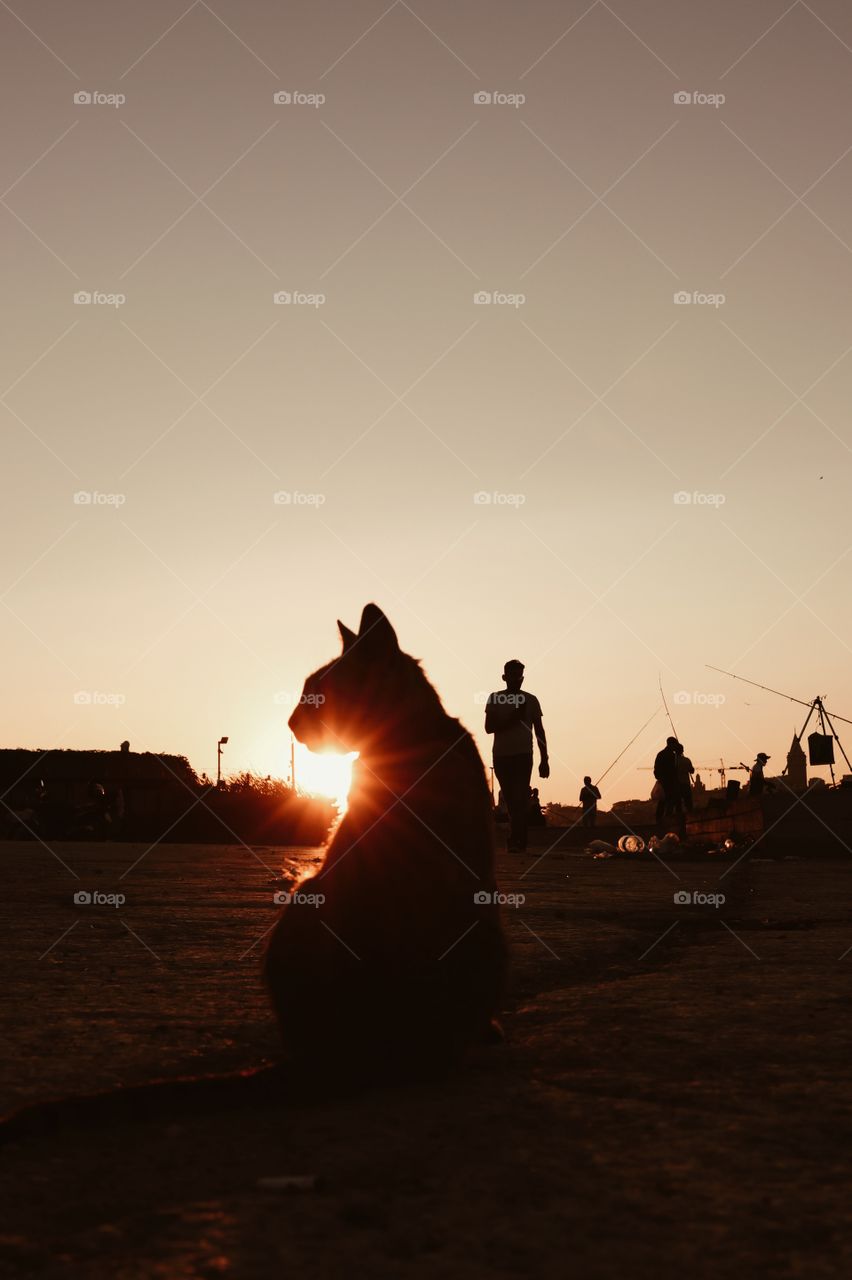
column 699, row 792
column 797, row 767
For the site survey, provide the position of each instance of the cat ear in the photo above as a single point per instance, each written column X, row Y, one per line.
column 376, row 634
column 348, row 637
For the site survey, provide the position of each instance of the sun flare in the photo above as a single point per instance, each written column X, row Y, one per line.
column 326, row 774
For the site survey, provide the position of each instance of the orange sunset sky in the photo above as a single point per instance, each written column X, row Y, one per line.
column 528, row 321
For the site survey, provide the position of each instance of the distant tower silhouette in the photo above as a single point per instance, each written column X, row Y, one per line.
column 699, row 792
column 797, row 766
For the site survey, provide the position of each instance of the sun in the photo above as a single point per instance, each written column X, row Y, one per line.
column 325, row 774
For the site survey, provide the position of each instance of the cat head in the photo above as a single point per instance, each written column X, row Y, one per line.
column 356, row 702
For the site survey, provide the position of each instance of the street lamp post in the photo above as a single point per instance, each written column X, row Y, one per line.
column 219, row 745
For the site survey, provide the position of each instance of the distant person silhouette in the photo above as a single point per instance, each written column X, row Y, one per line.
column 535, row 816
column 756, row 781
column 666, row 773
column 513, row 717
column 685, row 770
column 589, row 797
column 96, row 813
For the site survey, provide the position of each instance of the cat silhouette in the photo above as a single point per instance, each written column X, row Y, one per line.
column 392, row 953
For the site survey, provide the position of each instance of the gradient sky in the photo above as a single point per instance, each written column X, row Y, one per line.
column 198, row 603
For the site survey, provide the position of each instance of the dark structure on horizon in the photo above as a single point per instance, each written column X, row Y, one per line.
column 127, row 795
column 797, row 766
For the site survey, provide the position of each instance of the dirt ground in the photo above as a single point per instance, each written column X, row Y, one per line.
column 673, row 1098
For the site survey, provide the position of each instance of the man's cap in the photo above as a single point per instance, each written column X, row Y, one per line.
column 761, row 755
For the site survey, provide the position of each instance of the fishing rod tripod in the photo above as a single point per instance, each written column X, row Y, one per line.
column 815, row 706
column 828, row 731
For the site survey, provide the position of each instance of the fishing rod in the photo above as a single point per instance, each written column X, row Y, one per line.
column 767, row 689
column 666, row 706
column 629, row 745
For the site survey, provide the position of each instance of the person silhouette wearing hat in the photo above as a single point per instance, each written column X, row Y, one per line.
column 756, row 781
column 513, row 716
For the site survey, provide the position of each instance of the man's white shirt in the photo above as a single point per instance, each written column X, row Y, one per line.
column 516, row 740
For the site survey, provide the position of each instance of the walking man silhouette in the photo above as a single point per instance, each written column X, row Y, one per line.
column 513, row 716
